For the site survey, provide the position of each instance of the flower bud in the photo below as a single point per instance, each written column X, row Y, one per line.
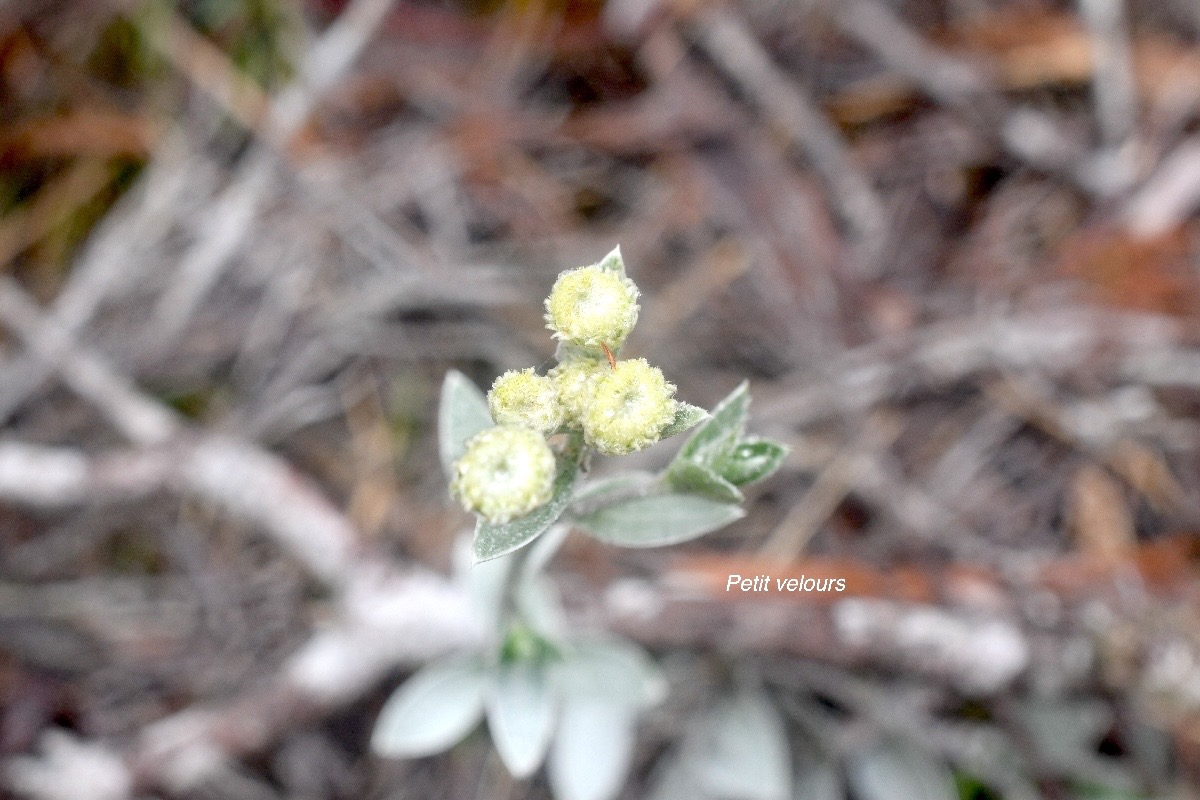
column 505, row 473
column 576, row 381
column 631, row 406
column 526, row 399
column 590, row 306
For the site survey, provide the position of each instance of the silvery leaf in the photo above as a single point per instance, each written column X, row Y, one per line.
column 592, row 750
column 521, row 712
column 658, row 520
column 432, row 710
column 462, row 413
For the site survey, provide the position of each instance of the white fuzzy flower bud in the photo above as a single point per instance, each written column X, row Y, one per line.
column 576, row 381
column 590, row 306
column 524, row 398
column 506, row 472
column 629, row 409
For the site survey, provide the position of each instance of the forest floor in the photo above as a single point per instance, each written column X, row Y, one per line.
column 952, row 245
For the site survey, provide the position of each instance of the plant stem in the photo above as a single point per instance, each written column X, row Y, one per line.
column 517, row 573
column 528, row 561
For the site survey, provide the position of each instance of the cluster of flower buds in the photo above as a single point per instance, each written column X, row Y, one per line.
column 617, row 406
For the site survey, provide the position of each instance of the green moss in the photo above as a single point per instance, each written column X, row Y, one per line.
column 523, row 644
column 258, row 35
column 124, row 56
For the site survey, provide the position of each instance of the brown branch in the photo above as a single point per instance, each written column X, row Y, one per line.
column 233, row 212
column 111, row 258
column 238, row 477
column 385, row 619
column 738, row 54
column 1135, row 348
column 140, row 418
column 1027, row 133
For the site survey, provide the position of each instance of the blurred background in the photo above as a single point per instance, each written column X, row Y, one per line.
column 951, row 243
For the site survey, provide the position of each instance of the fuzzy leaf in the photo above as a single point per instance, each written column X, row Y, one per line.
column 1066, row 731
column 493, row 540
column 613, row 262
column 672, row 780
column 605, row 491
column 462, row 413
column 520, row 714
column 592, row 750
column 752, row 459
column 485, row 583
column 657, row 520
column 691, row 478
column 569, row 351
column 540, row 605
column 818, row 781
column 716, row 437
column 432, row 710
column 687, row 416
column 1090, row 792
column 900, row 772
column 740, row 750
column 614, row 671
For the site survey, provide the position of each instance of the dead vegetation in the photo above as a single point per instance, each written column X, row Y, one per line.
column 952, row 245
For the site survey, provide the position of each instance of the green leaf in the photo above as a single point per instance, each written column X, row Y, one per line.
column 899, row 771
column 493, row 540
column 672, row 780
column 568, row 351
column 539, row 604
column 432, row 710
column 752, row 459
column 717, row 436
column 520, row 715
column 462, row 413
column 687, row 416
column 1150, row 747
column 818, row 781
column 1067, row 731
column 592, row 750
column 485, row 583
column 605, row 491
column 658, row 520
column 613, row 262
column 614, row 671
column 691, row 478
column 523, row 644
column 1093, row 792
column 740, row 750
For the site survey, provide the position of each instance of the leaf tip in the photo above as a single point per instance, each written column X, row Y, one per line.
column 613, row 262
